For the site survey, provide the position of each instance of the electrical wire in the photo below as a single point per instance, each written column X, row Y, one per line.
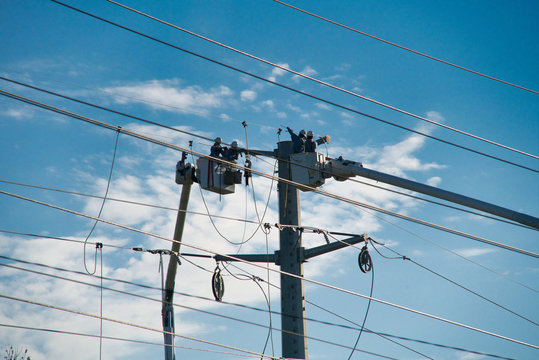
column 402, row 257
column 203, row 137
column 282, row 180
column 154, row 206
column 138, row 326
column 116, row 95
column 405, row 48
column 188, row 307
column 386, row 336
column 297, row 73
column 65, row 332
column 366, row 313
column 101, row 208
column 270, row 312
column 417, row 312
column 290, row 88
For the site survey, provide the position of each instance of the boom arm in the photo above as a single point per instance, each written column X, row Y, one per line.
column 342, row 169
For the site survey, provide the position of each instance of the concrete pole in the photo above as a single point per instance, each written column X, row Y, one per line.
column 293, row 323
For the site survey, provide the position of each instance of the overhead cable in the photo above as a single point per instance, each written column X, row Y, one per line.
column 188, row 308
column 384, row 335
column 435, row 317
column 253, row 151
column 406, row 258
column 320, row 81
column 154, row 206
column 316, row 190
column 134, row 341
column 138, row 326
column 405, row 48
column 293, row 89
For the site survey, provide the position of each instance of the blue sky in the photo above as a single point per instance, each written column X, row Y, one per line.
column 52, row 47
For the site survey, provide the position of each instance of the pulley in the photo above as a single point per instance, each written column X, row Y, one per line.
column 217, row 284
column 364, row 260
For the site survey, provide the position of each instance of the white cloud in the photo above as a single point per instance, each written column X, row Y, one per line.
column 169, row 95
column 18, row 113
column 225, row 117
column 277, row 72
column 434, row 181
column 307, row 71
column 322, row 106
column 248, row 95
column 268, row 103
column 398, row 158
column 471, row 252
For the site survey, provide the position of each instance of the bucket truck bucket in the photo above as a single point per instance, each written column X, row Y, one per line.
column 211, row 176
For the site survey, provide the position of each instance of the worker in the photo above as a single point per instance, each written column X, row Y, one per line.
column 231, row 154
column 297, row 140
column 310, row 144
column 216, row 149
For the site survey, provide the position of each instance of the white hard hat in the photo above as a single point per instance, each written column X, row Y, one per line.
column 234, row 143
column 218, row 140
column 302, row 132
column 310, row 133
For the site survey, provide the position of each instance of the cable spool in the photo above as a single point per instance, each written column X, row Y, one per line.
column 217, row 284
column 364, row 260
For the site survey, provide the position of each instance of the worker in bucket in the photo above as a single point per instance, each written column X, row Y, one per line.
column 231, row 154
column 297, row 140
column 310, row 144
column 216, row 149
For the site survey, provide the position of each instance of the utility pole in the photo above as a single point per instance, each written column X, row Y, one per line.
column 167, row 310
column 291, row 254
column 293, row 323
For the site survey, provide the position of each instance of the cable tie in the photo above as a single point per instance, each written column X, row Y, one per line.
column 137, row 249
column 98, row 245
column 244, row 124
column 118, row 128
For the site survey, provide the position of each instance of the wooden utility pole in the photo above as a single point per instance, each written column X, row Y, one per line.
column 293, row 323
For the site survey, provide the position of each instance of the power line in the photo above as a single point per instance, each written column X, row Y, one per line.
column 209, row 139
column 182, row 306
column 292, row 89
column 321, row 82
column 65, row 332
column 402, row 257
column 138, row 326
column 126, row 201
column 106, row 109
column 485, row 332
column 405, row 48
column 385, row 335
column 325, row 193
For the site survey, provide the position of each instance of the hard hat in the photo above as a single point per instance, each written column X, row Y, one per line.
column 302, row 132
column 310, row 133
column 218, row 140
column 234, row 144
